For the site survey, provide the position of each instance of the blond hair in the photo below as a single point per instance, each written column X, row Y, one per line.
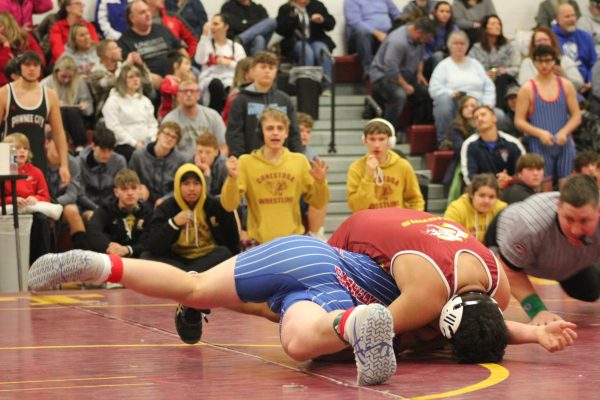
column 19, row 139
column 66, row 63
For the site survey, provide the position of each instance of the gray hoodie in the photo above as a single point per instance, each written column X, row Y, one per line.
column 97, row 180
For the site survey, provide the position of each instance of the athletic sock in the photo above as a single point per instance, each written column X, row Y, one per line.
column 346, row 321
column 116, row 268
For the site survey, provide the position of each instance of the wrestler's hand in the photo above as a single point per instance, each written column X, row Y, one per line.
column 546, row 138
column 232, row 167
column 561, row 137
column 545, row 318
column 319, row 169
column 557, row 335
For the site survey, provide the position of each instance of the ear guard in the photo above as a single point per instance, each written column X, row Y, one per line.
column 391, row 138
column 452, row 312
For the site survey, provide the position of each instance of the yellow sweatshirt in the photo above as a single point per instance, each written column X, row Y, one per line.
column 462, row 211
column 273, row 193
column 400, row 186
column 195, row 240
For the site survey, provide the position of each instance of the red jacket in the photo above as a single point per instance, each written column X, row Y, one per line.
column 7, row 53
column 35, row 185
column 23, row 11
column 180, row 31
column 59, row 35
column 168, row 94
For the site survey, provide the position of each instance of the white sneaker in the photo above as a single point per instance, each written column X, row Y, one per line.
column 50, row 210
column 371, row 336
column 72, row 266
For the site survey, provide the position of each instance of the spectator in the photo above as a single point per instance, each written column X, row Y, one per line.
column 153, row 42
column 218, row 57
column 591, row 23
column 499, row 58
column 195, row 119
column 14, row 40
column 250, row 24
column 547, row 10
column 110, row 18
column 273, row 179
column 243, row 77
column 191, row 12
column 249, row 104
column 575, row 43
column 476, row 209
column 211, row 162
column 382, row 179
column 25, row 100
column 367, row 25
column 397, row 72
column 528, row 179
column 586, row 162
column 157, row 162
column 182, row 69
column 437, row 47
column 469, row 15
column 66, row 196
column 565, row 67
column 510, row 107
column 70, row 12
column 98, row 165
column 32, row 193
column 105, row 73
column 82, row 49
column 42, row 31
column 303, row 24
column 128, row 113
column 461, row 128
column 416, row 9
column 549, row 123
column 23, row 10
column 454, row 77
column 75, row 99
column 191, row 230
column 177, row 27
column 490, row 151
column 315, row 217
column 119, row 227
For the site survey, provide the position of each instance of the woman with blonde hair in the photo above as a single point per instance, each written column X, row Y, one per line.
column 243, row 76
column 70, row 13
column 82, row 49
column 476, row 209
column 76, row 101
column 13, row 41
column 128, row 113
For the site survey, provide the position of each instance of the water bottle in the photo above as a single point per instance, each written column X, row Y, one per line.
column 14, row 166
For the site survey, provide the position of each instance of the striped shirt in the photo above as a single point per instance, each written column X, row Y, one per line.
column 529, row 237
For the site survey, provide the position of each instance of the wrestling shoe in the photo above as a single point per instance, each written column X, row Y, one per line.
column 371, row 335
column 188, row 322
column 71, row 266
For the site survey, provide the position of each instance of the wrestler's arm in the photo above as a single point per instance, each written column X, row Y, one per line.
column 555, row 336
column 59, row 136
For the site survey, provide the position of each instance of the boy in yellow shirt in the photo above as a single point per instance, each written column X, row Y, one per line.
column 382, row 179
column 273, row 180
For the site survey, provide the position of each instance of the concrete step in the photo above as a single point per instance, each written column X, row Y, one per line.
column 345, row 124
column 342, row 112
column 437, row 206
column 340, row 100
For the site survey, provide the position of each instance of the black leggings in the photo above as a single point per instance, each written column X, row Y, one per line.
column 199, row 264
column 218, row 95
column 74, row 125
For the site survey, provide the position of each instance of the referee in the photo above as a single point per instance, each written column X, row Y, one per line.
column 551, row 235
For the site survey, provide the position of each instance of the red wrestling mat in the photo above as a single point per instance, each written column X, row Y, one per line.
column 118, row 344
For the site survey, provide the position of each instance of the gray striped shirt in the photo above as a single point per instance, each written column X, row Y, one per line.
column 529, row 237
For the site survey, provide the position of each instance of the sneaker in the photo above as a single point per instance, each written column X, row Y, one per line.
column 326, row 93
column 371, row 337
column 188, row 322
column 71, row 266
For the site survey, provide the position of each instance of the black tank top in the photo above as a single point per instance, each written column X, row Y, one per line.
column 30, row 122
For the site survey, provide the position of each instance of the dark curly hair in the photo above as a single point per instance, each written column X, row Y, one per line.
column 482, row 336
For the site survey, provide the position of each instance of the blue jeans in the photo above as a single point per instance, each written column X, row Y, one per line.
column 256, row 38
column 394, row 97
column 313, row 57
column 364, row 44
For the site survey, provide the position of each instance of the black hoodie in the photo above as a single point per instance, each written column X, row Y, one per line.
column 242, row 134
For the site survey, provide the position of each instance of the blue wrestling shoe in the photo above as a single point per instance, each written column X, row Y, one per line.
column 188, row 322
column 371, row 336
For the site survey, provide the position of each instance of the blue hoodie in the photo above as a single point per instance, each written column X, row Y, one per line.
column 579, row 47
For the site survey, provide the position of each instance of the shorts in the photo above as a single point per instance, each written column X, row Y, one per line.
column 287, row 270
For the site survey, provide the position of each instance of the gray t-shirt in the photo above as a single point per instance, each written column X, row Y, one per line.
column 207, row 120
column 529, row 238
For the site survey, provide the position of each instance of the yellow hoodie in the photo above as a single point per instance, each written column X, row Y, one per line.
column 462, row 211
column 195, row 239
column 273, row 193
column 400, row 186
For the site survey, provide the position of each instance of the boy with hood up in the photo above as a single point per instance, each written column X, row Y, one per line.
column 382, row 179
column 191, row 230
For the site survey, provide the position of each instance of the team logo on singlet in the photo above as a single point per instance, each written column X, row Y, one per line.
column 446, row 231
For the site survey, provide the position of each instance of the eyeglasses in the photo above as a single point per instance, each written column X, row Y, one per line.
column 170, row 135
column 545, row 61
column 188, row 91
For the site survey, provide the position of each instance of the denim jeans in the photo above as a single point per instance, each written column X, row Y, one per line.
column 313, row 57
column 394, row 97
column 256, row 38
column 364, row 44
